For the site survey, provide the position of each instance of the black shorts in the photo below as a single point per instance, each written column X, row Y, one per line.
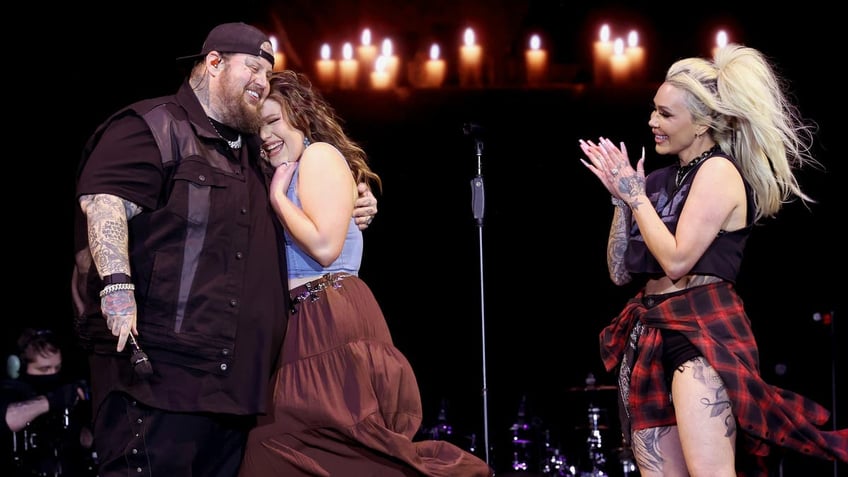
column 677, row 349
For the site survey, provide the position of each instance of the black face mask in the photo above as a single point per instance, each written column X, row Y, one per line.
column 42, row 384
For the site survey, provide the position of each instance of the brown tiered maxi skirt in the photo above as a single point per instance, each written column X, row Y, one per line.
column 345, row 400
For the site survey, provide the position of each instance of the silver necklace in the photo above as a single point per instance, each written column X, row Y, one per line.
column 233, row 144
column 683, row 171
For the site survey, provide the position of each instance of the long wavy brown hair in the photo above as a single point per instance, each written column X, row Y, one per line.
column 307, row 110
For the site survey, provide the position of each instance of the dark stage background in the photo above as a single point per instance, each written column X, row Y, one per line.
column 544, row 283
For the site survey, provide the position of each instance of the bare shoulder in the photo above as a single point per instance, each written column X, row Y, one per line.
column 717, row 186
column 322, row 153
column 718, row 166
column 322, row 160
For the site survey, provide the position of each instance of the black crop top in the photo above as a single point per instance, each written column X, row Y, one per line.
column 724, row 255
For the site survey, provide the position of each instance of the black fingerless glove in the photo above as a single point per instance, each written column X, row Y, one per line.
column 63, row 397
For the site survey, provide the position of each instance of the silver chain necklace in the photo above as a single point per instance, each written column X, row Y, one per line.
column 683, row 171
column 233, row 144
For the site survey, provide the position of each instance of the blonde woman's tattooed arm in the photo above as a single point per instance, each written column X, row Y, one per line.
column 617, row 244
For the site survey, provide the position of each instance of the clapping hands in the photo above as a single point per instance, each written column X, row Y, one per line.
column 611, row 165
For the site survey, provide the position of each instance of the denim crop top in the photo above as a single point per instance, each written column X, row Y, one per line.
column 301, row 265
column 722, row 258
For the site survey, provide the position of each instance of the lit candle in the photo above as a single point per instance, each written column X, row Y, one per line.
column 434, row 69
column 279, row 57
column 721, row 41
column 326, row 68
column 470, row 61
column 635, row 56
column 380, row 76
column 348, row 68
column 536, row 61
column 392, row 62
column 619, row 67
column 603, row 52
column 366, row 52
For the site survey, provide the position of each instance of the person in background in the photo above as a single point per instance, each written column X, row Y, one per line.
column 45, row 430
column 177, row 247
column 692, row 396
column 346, row 401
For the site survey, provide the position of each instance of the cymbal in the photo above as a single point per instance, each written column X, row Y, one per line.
column 589, row 389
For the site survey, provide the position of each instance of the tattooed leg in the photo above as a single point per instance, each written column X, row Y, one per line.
column 705, row 419
column 658, row 453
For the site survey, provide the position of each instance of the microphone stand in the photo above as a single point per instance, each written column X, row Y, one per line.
column 477, row 206
column 829, row 319
column 833, row 381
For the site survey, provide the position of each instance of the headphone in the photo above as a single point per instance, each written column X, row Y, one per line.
column 216, row 62
column 13, row 366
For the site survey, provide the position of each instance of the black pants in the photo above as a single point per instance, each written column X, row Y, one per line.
column 136, row 440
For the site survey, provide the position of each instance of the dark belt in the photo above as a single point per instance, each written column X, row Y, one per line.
column 311, row 291
column 651, row 301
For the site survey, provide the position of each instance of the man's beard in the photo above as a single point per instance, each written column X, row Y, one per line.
column 238, row 113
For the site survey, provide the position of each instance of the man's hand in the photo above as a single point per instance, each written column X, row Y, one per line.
column 365, row 207
column 119, row 309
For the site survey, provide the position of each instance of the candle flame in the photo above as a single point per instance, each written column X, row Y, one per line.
column 366, row 37
column 632, row 39
column 347, row 51
column 605, row 33
column 618, row 46
column 381, row 65
column 387, row 47
column 434, row 51
column 721, row 39
column 535, row 42
column 325, row 51
column 469, row 37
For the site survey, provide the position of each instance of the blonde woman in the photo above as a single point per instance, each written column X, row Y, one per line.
column 692, row 399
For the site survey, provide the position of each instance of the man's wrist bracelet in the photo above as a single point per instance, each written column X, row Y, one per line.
column 109, row 289
column 619, row 202
column 116, row 278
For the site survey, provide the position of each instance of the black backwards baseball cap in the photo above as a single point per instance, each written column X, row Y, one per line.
column 234, row 38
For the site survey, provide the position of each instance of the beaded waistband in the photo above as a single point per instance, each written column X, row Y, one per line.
column 311, row 291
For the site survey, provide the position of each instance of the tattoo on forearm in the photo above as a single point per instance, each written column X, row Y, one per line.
column 108, row 235
column 617, row 245
column 635, row 204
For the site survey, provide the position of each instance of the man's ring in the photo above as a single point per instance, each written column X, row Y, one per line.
column 614, row 172
column 368, row 222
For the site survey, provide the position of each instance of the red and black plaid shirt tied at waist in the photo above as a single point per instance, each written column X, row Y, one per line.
column 713, row 318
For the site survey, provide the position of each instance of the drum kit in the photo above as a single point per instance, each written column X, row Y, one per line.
column 543, row 459
column 533, row 452
column 46, row 447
